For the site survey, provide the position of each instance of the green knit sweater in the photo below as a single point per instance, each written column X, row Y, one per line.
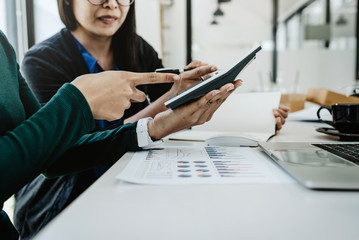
column 51, row 140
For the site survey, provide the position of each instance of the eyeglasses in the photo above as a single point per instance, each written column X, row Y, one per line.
column 124, row 3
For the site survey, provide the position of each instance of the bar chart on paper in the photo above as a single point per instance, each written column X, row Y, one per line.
column 210, row 164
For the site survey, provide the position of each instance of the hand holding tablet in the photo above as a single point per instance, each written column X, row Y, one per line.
column 217, row 80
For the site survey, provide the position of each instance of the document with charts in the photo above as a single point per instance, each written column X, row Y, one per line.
column 208, row 164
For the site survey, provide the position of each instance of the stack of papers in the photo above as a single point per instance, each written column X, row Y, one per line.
column 244, row 114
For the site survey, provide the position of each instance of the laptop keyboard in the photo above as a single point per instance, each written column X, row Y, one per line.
column 349, row 152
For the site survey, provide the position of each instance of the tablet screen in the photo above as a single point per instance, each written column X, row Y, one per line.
column 217, row 80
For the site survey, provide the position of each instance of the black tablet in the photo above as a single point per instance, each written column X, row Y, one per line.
column 217, row 80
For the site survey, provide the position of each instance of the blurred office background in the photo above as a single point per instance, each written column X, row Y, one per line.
column 306, row 43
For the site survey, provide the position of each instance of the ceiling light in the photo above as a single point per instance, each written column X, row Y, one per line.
column 218, row 12
column 214, row 22
column 341, row 21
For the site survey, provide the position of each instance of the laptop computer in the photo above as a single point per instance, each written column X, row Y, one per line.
column 318, row 165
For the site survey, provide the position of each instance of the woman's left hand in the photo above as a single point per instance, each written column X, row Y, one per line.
column 280, row 115
column 184, row 81
column 199, row 71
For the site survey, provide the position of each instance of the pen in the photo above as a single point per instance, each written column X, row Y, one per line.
column 172, row 70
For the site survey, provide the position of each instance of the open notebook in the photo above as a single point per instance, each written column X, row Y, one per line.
column 245, row 114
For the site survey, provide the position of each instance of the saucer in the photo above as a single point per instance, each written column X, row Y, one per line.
column 343, row 136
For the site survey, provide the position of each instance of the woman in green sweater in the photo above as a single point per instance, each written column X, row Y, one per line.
column 55, row 139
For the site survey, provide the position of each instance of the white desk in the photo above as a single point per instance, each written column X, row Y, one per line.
column 114, row 210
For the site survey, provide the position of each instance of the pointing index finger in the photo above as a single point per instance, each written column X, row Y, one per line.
column 153, row 78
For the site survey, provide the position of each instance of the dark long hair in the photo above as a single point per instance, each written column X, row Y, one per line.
column 124, row 42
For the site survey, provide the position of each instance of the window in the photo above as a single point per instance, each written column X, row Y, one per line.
column 28, row 22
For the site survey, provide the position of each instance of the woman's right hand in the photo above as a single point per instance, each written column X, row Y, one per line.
column 189, row 115
column 110, row 93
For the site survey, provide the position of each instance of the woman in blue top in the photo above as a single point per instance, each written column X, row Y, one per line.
column 100, row 35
